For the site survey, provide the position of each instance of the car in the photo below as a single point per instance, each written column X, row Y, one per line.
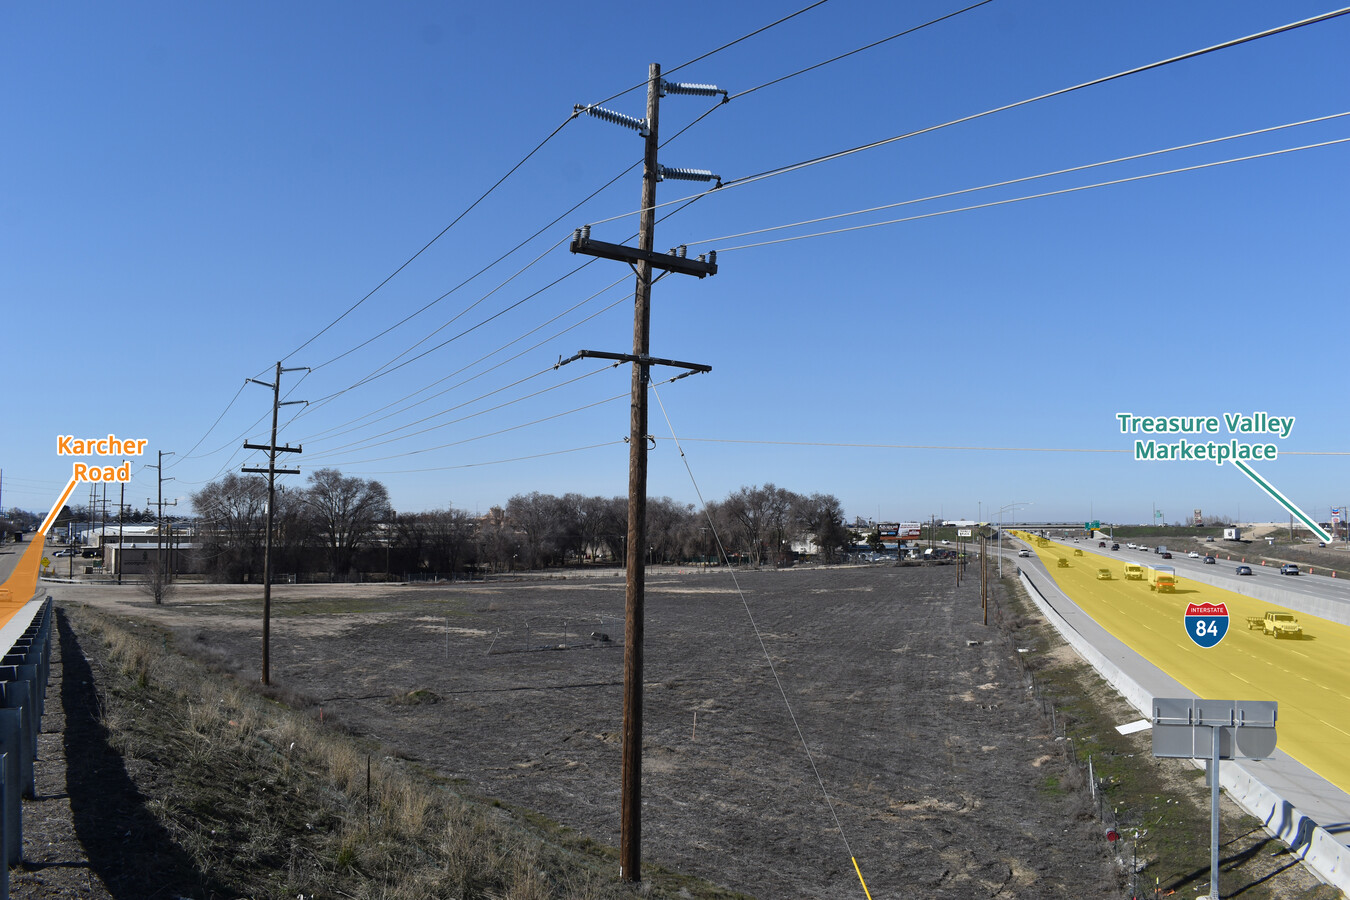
column 1321, row 543
column 1243, row 570
column 1103, row 574
column 1077, row 552
column 1208, row 560
column 1115, row 546
column 65, row 552
column 1166, row 555
column 1101, row 543
column 1288, row 569
column 1063, row 563
column 1130, row 545
column 1023, row 552
column 1192, row 555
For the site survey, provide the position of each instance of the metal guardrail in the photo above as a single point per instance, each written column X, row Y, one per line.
column 25, row 670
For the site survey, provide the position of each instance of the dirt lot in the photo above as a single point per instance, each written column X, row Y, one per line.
column 943, row 774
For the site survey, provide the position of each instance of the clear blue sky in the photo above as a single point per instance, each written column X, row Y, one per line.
column 192, row 191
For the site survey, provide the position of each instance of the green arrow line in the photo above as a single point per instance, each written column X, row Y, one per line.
column 1283, row 500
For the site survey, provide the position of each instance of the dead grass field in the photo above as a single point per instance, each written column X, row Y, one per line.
column 942, row 771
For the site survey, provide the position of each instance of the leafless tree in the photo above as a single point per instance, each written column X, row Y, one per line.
column 233, row 514
column 346, row 511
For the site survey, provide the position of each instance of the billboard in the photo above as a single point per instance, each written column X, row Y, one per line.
column 1198, row 520
column 898, row 531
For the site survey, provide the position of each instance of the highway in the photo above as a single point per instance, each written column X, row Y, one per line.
column 1139, row 640
column 1306, row 677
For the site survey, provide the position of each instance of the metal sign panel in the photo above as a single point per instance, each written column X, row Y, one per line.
column 1184, row 728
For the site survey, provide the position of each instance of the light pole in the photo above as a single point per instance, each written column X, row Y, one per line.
column 1000, row 531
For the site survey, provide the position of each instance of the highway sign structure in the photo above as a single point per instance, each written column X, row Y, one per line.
column 1213, row 730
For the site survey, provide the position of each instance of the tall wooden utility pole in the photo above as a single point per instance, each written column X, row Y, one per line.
column 643, row 260
column 630, row 811
column 272, row 472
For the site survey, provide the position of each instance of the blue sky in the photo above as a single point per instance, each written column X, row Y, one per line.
column 193, row 191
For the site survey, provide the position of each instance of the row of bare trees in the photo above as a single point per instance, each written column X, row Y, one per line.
column 342, row 525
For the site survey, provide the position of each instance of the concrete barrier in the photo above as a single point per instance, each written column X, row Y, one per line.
column 1320, row 850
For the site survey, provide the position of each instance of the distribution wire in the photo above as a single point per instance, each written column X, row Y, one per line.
column 830, row 157
column 1012, row 181
column 502, row 431
column 498, row 462
column 703, row 56
column 389, row 369
column 480, row 437
column 782, row 692
column 876, row 43
column 334, row 432
column 323, row 401
column 428, row 244
column 371, row 442
column 1069, row 190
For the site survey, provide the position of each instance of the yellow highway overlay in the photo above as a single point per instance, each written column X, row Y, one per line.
column 1307, row 677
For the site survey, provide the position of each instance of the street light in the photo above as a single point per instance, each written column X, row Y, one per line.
column 1000, row 530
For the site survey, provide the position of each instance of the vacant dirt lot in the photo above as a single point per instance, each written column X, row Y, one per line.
column 944, row 777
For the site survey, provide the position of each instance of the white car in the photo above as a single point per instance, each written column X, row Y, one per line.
column 1023, row 552
column 1192, row 555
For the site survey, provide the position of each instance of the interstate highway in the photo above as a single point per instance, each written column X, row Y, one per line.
column 1306, row 677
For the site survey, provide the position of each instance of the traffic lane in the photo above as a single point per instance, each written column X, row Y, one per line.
column 1304, row 677
column 1223, row 571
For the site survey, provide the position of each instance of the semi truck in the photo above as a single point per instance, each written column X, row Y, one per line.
column 1162, row 579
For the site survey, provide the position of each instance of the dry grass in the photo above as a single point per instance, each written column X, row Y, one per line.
column 269, row 800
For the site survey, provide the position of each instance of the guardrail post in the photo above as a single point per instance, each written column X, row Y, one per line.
column 4, row 830
column 10, row 738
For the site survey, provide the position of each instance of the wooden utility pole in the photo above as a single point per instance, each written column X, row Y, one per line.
column 272, row 472
column 162, row 573
column 630, row 811
column 643, row 260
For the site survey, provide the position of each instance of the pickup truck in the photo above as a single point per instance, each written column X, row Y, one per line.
column 1280, row 624
column 1134, row 572
column 1162, row 579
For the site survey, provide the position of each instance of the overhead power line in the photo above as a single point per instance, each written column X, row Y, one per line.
column 481, row 197
column 498, row 462
column 829, row 157
column 334, row 431
column 1011, row 200
column 1011, row 181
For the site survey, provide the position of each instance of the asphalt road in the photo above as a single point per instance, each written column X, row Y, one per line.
column 1144, row 632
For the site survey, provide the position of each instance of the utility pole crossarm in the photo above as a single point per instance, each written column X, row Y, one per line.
column 701, row 267
column 633, row 358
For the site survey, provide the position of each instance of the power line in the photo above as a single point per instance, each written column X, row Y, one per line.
column 489, row 434
column 502, row 431
column 703, row 56
column 794, row 167
column 1069, row 190
column 498, row 462
column 438, row 236
column 329, row 432
column 1021, row 180
column 370, row 442
column 877, row 43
